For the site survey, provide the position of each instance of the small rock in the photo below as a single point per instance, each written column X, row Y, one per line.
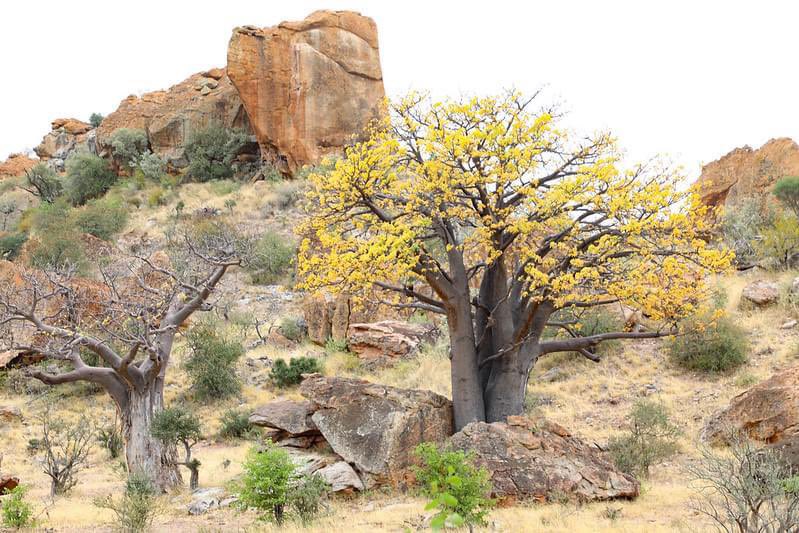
column 8, row 483
column 10, row 413
column 789, row 324
column 761, row 293
column 552, row 375
column 203, row 500
column 650, row 389
column 341, row 477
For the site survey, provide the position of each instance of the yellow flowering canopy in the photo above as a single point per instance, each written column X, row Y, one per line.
column 462, row 185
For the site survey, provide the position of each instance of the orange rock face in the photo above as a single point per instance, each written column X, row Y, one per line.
column 309, row 87
column 170, row 116
column 16, row 165
column 66, row 136
column 745, row 172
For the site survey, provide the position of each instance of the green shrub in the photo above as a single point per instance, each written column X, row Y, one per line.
column 305, row 496
column 211, row 152
column 103, row 218
column 11, row 244
column 334, row 346
column 779, row 242
column 17, row 512
column 235, row 424
column 742, row 225
column 95, row 119
column 285, row 375
column 223, row 187
column 88, row 176
column 212, row 360
column 58, row 243
column 291, row 328
column 129, row 144
column 652, row 438
column 152, row 166
column 271, row 258
column 157, row 196
column 717, row 347
column 110, row 438
column 458, row 490
column 174, row 425
column 44, row 183
column 138, row 507
column 787, row 191
column 265, row 485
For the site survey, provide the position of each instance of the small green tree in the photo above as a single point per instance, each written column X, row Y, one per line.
column 95, row 119
column 176, row 425
column 43, row 182
column 65, row 449
column 212, row 150
column 152, row 166
column 651, row 439
column 129, row 145
column 17, row 512
column 271, row 258
column 459, row 491
column 212, row 360
column 787, row 191
column 88, row 176
column 779, row 242
column 285, row 375
column 268, row 475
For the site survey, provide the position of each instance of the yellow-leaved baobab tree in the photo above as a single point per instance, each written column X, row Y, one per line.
column 485, row 211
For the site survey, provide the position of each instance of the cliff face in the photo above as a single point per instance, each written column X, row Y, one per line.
column 170, row 116
column 309, row 86
column 746, row 172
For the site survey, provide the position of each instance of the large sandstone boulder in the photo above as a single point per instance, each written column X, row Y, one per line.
column 285, row 415
column 169, row 117
column 746, row 172
column 66, row 136
column 16, row 165
column 392, row 339
column 327, row 317
column 308, row 86
column 761, row 293
column 376, row 427
column 538, row 459
column 767, row 412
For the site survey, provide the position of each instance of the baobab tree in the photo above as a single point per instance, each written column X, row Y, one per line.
column 127, row 321
column 484, row 210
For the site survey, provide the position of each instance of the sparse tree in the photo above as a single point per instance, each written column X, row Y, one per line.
column 129, row 320
column 787, row 191
column 95, row 119
column 44, row 183
column 176, row 425
column 65, row 446
column 483, row 210
column 7, row 208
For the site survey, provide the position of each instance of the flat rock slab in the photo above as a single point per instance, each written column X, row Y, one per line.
column 538, row 459
column 761, row 293
column 341, row 477
column 389, row 338
column 376, row 427
column 289, row 416
column 767, row 412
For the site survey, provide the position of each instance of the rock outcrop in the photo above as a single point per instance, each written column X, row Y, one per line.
column 308, row 86
column 389, row 339
column 66, row 136
column 291, row 417
column 746, row 172
column 376, row 427
column 538, row 459
column 16, row 165
column 761, row 293
column 169, row 117
column 768, row 412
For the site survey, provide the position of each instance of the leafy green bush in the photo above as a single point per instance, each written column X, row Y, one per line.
column 291, row 328
column 152, row 166
column 779, row 242
column 95, row 119
column 103, row 218
column 44, row 183
column 335, row 346
column 88, row 176
column 177, row 425
column 11, row 244
column 717, row 347
column 138, row 507
column 211, row 152
column 285, row 375
column 266, row 482
column 787, row 191
column 17, row 512
column 651, row 439
column 235, row 424
column 211, row 365
column 305, row 496
column 458, row 490
column 129, row 144
column 58, row 243
column 271, row 258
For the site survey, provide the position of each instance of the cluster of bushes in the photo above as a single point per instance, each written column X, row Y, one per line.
column 286, row 375
column 212, row 152
column 710, row 346
column 271, row 258
column 762, row 233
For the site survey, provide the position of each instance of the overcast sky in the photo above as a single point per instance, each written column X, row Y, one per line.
column 690, row 80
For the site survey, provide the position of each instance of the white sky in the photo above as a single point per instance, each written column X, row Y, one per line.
column 691, row 80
